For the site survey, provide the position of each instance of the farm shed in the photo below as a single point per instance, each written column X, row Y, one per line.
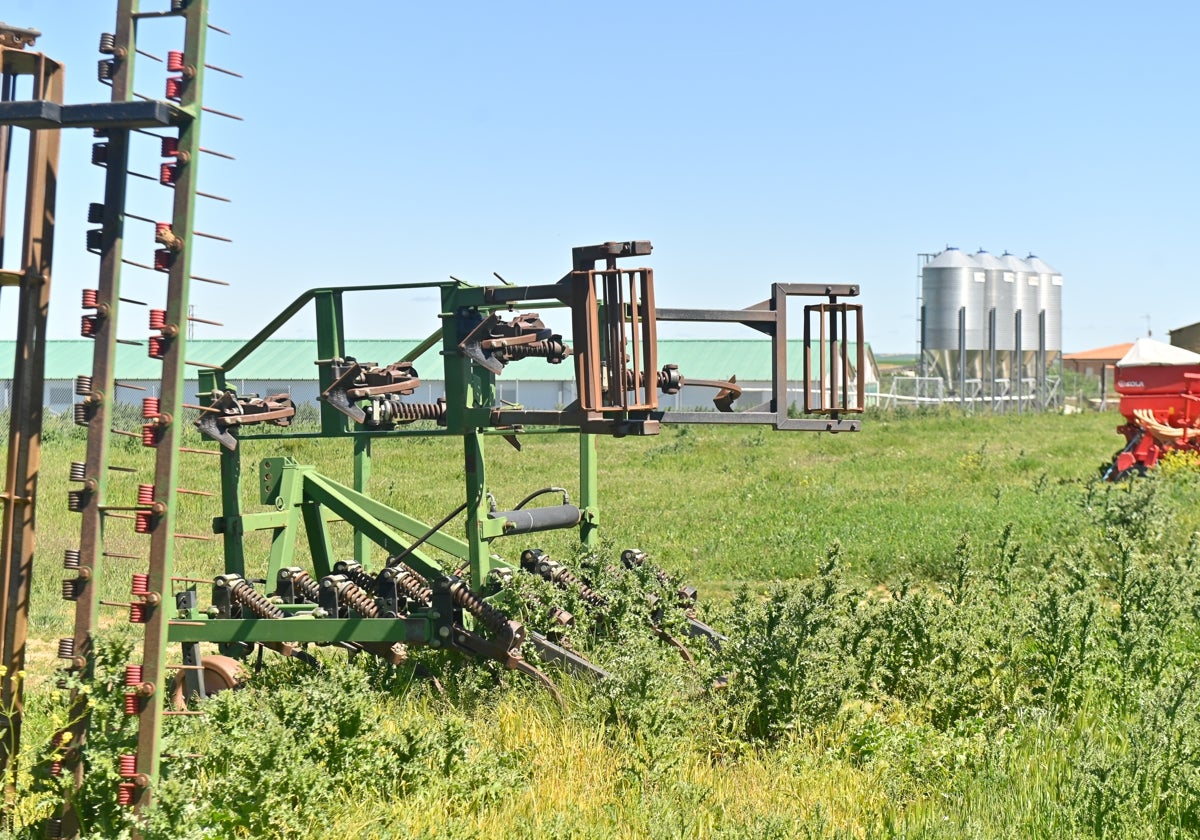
column 1187, row 337
column 286, row 366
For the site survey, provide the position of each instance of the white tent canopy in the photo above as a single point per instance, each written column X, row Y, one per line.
column 1147, row 351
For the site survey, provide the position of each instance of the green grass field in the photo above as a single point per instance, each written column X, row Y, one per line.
column 942, row 626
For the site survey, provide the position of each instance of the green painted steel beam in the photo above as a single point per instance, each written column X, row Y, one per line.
column 303, row 628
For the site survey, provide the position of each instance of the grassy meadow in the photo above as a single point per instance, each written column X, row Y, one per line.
column 942, row 626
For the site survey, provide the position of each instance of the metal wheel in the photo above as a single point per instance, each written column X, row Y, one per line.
column 220, row 673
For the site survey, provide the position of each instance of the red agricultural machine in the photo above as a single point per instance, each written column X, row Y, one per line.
column 1160, row 390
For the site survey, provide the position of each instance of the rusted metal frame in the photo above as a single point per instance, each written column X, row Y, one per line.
column 162, row 532
column 835, row 316
column 17, row 537
column 104, row 355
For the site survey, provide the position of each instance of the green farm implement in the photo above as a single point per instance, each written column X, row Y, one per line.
column 407, row 583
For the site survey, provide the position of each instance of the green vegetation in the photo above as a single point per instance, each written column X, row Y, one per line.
column 940, row 627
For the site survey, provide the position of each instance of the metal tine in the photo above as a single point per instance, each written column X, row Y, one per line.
column 187, row 492
column 199, row 537
column 150, row 56
column 129, row 341
column 208, row 365
column 115, row 468
column 199, row 451
column 131, row 300
column 225, row 114
column 130, row 387
column 223, row 70
column 196, row 320
column 212, row 236
column 116, row 555
column 208, row 280
column 216, row 28
column 124, row 433
column 214, row 197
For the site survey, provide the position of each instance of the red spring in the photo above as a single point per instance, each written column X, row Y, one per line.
column 150, row 404
column 56, row 768
column 175, row 88
column 142, row 522
column 175, row 61
column 125, row 793
column 170, row 146
column 157, row 347
column 162, row 231
column 133, row 703
column 158, row 320
column 166, row 174
column 133, row 676
column 145, row 494
column 162, row 260
column 149, row 435
column 87, row 326
column 127, row 765
column 137, row 614
column 140, row 585
column 91, row 298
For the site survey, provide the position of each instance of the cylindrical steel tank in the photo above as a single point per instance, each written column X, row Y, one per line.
column 1001, row 285
column 1049, row 299
column 1028, row 302
column 950, row 281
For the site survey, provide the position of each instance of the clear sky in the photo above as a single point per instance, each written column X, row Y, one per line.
column 751, row 142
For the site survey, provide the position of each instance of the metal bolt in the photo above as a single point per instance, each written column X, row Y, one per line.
column 444, row 631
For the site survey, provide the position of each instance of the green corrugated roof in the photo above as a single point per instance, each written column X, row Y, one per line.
column 292, row 359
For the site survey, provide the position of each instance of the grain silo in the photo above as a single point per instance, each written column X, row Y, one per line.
column 1049, row 300
column 954, row 322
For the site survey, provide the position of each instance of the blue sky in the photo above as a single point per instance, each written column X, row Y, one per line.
column 803, row 142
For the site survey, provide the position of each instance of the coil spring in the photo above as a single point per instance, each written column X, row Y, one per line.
column 170, row 146
column 95, row 213
column 361, row 577
column 66, row 648
column 78, row 471
column 551, row 349
column 306, row 586
column 76, row 500
column 138, row 613
column 81, row 413
column 396, row 410
column 72, row 558
column 127, row 765
column 70, row 589
column 359, row 601
column 133, row 676
column 100, row 154
column 558, row 574
column 125, row 793
column 156, row 347
column 166, row 174
column 142, row 522
column 413, row 585
column 489, row 616
column 83, row 385
column 95, row 240
column 104, row 69
column 87, row 326
column 133, row 704
column 175, row 61
column 150, row 407
column 145, row 494
column 150, row 435
column 90, row 298
column 158, row 319
column 245, row 594
column 163, row 258
column 140, row 584
column 175, row 88
column 108, row 43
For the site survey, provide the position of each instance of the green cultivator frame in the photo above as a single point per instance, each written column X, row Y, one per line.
column 408, row 583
